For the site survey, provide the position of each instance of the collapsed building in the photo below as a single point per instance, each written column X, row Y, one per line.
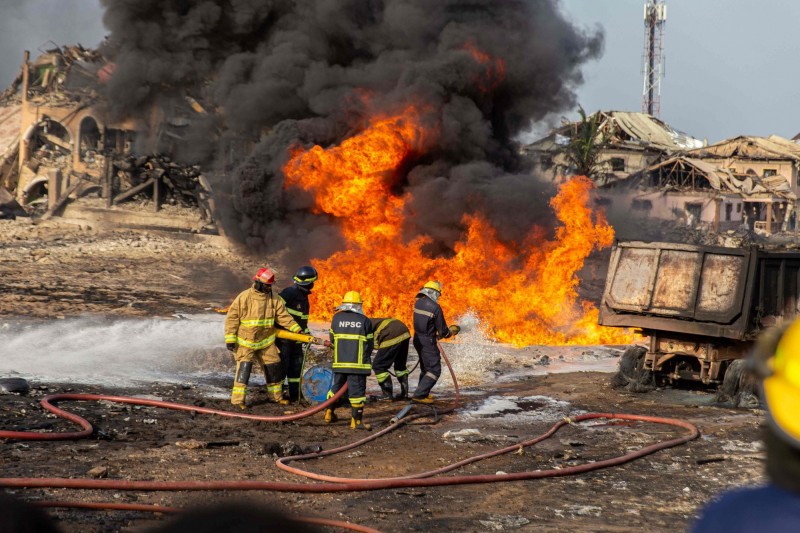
column 651, row 170
column 631, row 143
column 58, row 142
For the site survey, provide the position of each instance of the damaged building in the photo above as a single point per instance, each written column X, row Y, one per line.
column 744, row 181
column 631, row 142
column 648, row 169
column 58, row 143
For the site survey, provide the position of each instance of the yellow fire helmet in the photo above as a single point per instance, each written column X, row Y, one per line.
column 352, row 297
column 782, row 387
column 434, row 285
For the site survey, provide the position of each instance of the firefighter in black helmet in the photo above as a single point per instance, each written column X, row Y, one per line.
column 429, row 326
column 295, row 298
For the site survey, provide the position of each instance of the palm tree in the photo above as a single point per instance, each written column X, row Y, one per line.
column 585, row 146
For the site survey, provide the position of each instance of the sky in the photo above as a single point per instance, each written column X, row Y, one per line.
column 730, row 64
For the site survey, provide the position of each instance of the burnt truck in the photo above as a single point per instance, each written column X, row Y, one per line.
column 700, row 307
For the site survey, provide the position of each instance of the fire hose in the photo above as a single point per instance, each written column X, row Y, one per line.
column 333, row 484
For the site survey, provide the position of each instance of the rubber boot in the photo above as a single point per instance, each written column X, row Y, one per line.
column 294, row 391
column 356, row 420
column 403, row 380
column 426, row 383
column 330, row 416
column 387, row 389
column 274, row 376
column 240, row 380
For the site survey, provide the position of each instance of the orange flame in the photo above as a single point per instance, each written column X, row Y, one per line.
column 523, row 293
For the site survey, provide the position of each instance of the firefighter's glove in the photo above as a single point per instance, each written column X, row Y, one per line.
column 231, row 346
column 455, row 329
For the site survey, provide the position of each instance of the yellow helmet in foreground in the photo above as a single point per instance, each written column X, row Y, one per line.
column 782, row 386
column 434, row 285
column 352, row 297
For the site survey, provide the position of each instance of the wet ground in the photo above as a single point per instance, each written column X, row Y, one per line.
column 508, row 396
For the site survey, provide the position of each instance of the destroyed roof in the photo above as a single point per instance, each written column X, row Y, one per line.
column 744, row 146
column 627, row 129
column 723, row 179
column 647, row 129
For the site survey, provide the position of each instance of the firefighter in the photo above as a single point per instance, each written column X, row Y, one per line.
column 250, row 335
column 775, row 506
column 429, row 326
column 391, row 341
column 295, row 298
column 352, row 339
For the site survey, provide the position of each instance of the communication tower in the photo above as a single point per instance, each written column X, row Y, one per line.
column 655, row 17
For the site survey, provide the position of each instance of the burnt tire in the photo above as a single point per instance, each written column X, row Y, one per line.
column 632, row 375
column 739, row 386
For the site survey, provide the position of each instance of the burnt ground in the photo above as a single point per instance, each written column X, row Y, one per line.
column 54, row 270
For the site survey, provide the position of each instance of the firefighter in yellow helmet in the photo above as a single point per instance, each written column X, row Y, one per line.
column 250, row 335
column 429, row 326
column 776, row 506
column 352, row 339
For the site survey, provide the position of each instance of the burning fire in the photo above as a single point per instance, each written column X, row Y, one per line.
column 525, row 293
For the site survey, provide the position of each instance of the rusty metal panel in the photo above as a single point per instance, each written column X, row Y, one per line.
column 631, row 284
column 676, row 282
column 691, row 289
column 720, row 284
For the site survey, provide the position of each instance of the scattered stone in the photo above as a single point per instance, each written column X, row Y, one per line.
column 543, row 360
column 504, row 522
column 191, row 444
column 14, row 386
column 98, row 472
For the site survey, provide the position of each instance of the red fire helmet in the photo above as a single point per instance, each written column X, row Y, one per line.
column 265, row 275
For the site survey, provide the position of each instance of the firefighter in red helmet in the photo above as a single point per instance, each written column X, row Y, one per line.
column 250, row 335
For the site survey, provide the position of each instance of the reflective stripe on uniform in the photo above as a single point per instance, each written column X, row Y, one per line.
column 258, row 322
column 230, row 338
column 382, row 376
column 294, row 380
column 423, row 312
column 361, row 339
column 295, row 328
column 256, row 345
column 297, row 313
column 401, row 373
column 239, row 390
column 274, row 387
column 392, row 342
column 358, row 402
column 353, row 366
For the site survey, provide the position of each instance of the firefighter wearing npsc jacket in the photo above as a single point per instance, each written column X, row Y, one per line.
column 391, row 341
column 250, row 335
column 429, row 326
column 295, row 298
column 352, row 339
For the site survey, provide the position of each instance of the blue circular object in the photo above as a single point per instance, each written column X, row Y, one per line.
column 316, row 383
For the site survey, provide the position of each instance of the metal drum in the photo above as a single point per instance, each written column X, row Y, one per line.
column 316, row 383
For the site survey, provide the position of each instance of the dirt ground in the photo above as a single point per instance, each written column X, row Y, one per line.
column 52, row 271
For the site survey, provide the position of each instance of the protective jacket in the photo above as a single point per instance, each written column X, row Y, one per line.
column 296, row 301
column 429, row 319
column 251, row 319
column 352, row 340
column 388, row 332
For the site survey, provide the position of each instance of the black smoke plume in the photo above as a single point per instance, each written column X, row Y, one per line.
column 277, row 73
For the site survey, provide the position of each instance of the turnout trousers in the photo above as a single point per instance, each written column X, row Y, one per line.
column 430, row 364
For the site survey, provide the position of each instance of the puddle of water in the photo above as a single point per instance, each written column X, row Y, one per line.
column 516, row 409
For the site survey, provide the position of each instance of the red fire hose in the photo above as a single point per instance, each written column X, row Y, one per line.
column 333, row 484
column 48, row 401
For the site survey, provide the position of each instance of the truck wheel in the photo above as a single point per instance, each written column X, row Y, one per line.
column 631, row 374
column 739, row 386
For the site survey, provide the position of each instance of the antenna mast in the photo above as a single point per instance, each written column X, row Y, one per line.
column 655, row 17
